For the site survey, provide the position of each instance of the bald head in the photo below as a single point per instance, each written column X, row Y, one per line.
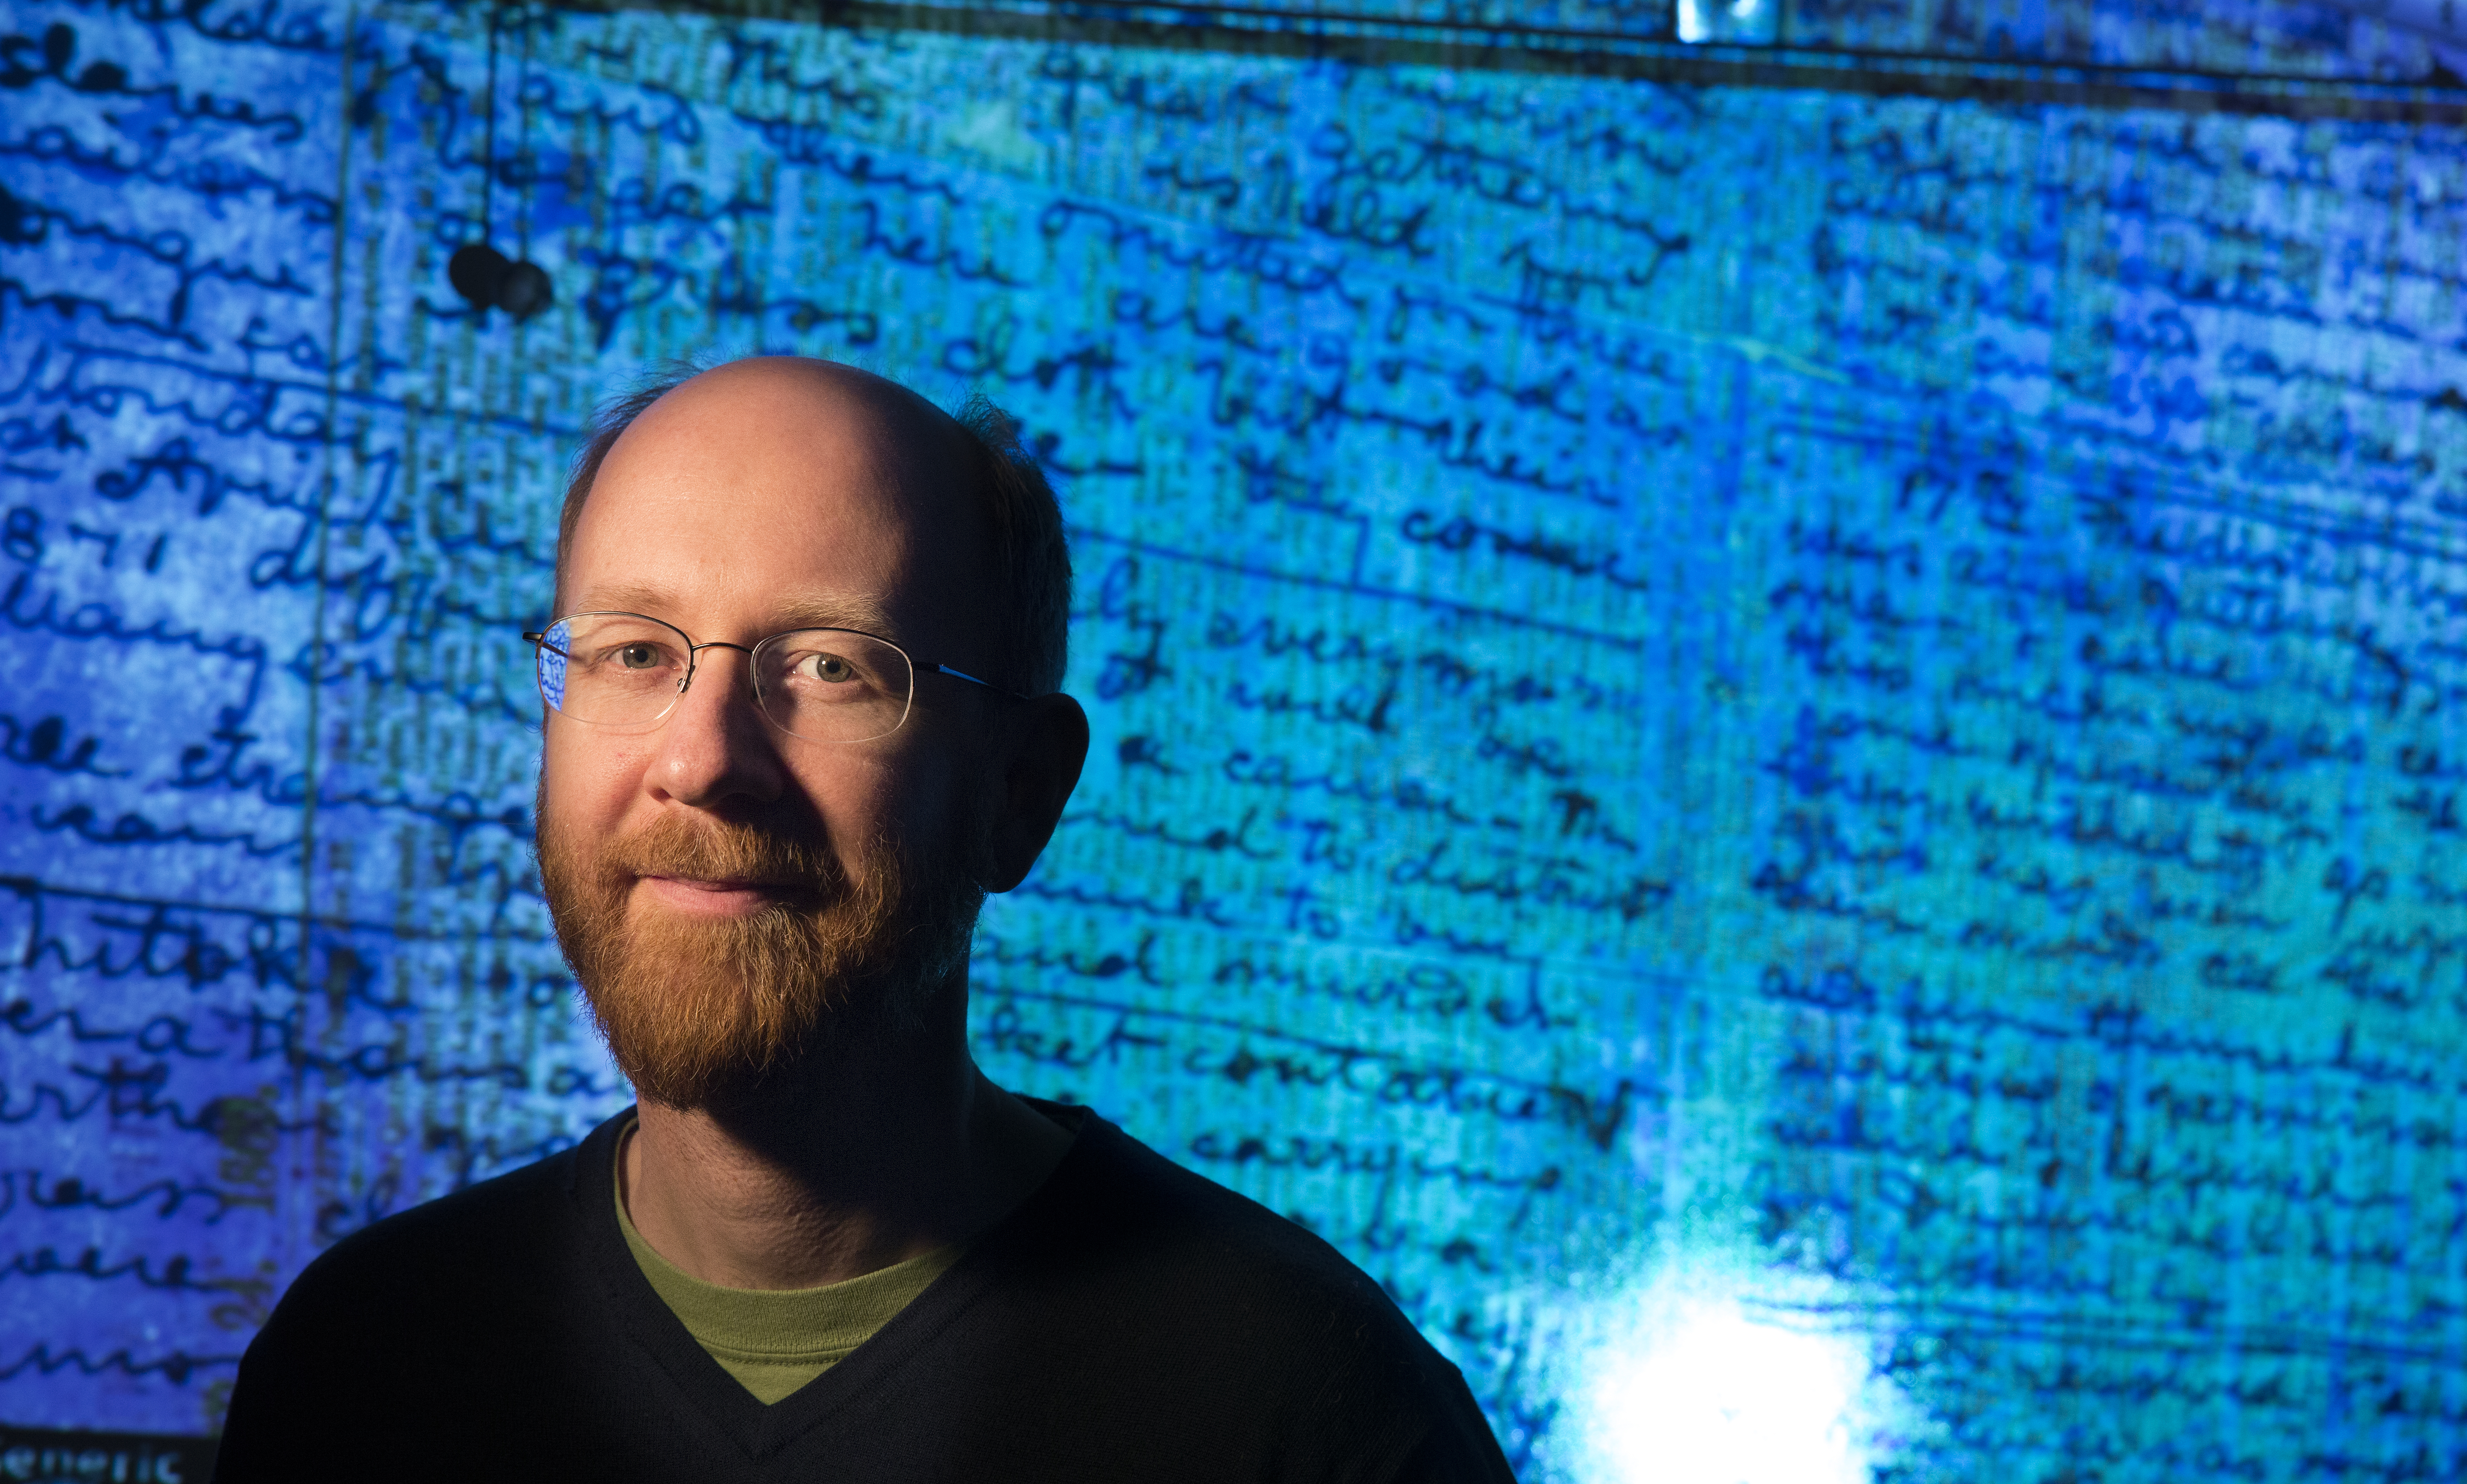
column 758, row 421
column 954, row 503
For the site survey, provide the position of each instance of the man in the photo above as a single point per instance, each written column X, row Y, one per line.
column 801, row 713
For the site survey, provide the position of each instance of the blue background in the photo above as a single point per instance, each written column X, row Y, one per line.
column 1803, row 741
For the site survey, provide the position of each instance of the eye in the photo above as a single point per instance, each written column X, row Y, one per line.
column 639, row 656
column 828, row 669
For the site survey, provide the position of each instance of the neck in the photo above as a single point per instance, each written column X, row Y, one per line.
column 882, row 1149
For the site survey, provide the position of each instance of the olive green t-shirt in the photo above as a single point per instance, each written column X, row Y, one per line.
column 774, row 1340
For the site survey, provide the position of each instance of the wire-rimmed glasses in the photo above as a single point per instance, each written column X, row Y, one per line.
column 627, row 670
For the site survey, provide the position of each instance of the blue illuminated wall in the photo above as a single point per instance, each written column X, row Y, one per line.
column 1736, row 728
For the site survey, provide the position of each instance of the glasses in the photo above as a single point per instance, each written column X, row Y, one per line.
column 624, row 670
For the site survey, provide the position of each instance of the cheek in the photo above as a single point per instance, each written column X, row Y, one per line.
column 587, row 777
column 911, row 795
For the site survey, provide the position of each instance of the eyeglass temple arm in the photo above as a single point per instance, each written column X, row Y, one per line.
column 541, row 640
column 944, row 669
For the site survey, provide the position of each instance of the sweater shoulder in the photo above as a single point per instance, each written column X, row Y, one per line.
column 1202, row 1248
column 434, row 1313
column 440, row 1251
column 1210, row 1308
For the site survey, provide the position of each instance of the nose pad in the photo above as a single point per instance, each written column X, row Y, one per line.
column 694, row 668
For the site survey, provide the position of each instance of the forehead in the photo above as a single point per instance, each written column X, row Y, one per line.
column 781, row 495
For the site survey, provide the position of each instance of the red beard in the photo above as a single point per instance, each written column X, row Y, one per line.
column 704, row 1013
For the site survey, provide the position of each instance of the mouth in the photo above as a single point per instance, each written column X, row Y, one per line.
column 709, row 898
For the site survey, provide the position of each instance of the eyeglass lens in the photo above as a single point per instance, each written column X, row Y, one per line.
column 621, row 669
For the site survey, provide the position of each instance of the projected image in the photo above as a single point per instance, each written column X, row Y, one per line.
column 1790, row 754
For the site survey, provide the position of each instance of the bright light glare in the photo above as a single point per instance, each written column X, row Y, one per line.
column 1726, row 20
column 1714, row 1399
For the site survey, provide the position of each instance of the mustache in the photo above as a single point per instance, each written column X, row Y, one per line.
column 710, row 1014
column 720, row 850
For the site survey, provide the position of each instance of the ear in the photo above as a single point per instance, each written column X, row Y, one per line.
column 1047, row 744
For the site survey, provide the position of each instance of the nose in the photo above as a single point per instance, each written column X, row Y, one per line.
column 714, row 746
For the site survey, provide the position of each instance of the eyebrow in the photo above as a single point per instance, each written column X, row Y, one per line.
column 815, row 609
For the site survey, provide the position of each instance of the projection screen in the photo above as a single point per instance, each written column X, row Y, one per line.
column 1780, row 728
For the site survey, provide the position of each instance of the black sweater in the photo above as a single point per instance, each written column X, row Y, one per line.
column 1130, row 1320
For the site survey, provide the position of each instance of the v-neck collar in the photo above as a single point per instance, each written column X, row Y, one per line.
column 854, row 1387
